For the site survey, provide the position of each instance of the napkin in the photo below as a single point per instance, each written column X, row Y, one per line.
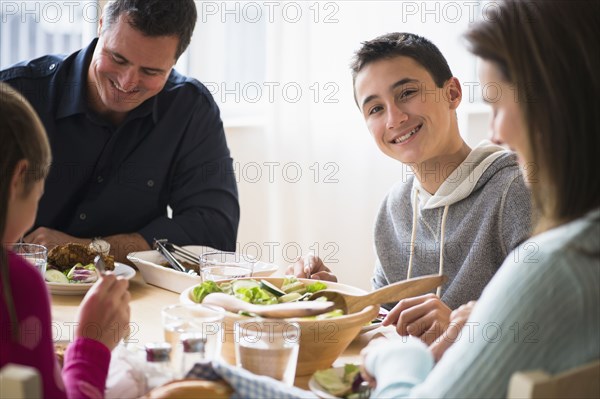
column 246, row 384
column 126, row 374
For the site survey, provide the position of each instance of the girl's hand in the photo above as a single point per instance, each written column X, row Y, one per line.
column 104, row 312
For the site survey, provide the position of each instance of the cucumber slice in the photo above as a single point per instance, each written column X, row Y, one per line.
column 54, row 276
column 291, row 297
column 271, row 288
column 298, row 286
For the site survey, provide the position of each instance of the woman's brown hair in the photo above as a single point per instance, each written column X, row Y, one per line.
column 22, row 136
column 549, row 51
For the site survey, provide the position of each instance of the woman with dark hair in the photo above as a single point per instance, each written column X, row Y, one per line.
column 25, row 321
column 539, row 69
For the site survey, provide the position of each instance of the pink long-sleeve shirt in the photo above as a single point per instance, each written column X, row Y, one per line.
column 86, row 361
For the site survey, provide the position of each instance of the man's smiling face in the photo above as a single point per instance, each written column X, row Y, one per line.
column 128, row 68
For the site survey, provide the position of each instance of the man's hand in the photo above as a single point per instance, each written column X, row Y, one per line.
column 51, row 238
column 120, row 244
column 425, row 316
column 458, row 319
column 313, row 268
column 104, row 312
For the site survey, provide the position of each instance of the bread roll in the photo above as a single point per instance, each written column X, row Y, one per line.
column 191, row 389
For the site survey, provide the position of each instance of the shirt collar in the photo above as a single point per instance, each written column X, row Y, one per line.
column 74, row 100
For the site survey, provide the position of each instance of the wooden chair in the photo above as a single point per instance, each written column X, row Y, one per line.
column 18, row 381
column 579, row 382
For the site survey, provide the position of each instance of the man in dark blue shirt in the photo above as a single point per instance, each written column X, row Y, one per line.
column 130, row 136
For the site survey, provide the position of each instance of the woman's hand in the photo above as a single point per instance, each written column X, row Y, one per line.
column 313, row 267
column 458, row 319
column 425, row 317
column 104, row 312
column 366, row 375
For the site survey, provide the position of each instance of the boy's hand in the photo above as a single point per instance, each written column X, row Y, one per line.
column 313, row 267
column 425, row 317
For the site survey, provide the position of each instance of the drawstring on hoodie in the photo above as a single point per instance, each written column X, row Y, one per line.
column 442, row 234
column 413, row 235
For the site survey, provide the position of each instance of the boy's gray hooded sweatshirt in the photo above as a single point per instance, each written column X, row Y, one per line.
column 479, row 214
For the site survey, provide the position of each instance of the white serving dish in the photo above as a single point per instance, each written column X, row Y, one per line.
column 148, row 263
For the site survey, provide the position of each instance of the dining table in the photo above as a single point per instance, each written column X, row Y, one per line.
column 145, row 323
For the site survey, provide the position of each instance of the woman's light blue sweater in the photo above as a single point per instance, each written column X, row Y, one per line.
column 540, row 311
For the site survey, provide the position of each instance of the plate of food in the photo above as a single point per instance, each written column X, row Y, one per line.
column 71, row 270
column 339, row 382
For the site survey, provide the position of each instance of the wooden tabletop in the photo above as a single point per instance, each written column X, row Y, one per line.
column 146, row 302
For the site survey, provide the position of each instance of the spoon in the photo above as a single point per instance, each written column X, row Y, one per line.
column 390, row 293
column 278, row 311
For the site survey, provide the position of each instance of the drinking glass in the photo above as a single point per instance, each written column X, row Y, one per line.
column 221, row 265
column 205, row 321
column 35, row 254
column 268, row 347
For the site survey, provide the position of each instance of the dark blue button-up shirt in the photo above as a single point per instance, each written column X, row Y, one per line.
column 105, row 180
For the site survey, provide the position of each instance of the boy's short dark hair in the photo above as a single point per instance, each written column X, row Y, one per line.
column 396, row 44
column 156, row 18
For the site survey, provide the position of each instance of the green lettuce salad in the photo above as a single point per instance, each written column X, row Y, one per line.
column 263, row 292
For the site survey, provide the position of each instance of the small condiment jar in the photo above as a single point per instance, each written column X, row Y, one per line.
column 194, row 351
column 158, row 370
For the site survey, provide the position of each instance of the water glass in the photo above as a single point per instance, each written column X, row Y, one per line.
column 219, row 265
column 35, row 254
column 268, row 347
column 205, row 321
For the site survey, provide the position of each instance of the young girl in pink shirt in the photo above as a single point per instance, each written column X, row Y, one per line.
column 25, row 320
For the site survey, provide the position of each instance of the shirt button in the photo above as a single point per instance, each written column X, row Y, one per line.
column 82, row 216
column 52, row 66
column 150, row 183
column 100, row 179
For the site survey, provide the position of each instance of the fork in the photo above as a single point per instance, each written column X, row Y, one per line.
column 99, row 265
column 361, row 388
column 364, row 390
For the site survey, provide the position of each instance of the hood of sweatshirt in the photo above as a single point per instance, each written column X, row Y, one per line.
column 466, row 178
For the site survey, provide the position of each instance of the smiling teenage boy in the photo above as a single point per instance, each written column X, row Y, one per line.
column 461, row 212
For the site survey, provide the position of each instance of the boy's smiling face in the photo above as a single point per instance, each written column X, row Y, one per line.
column 411, row 119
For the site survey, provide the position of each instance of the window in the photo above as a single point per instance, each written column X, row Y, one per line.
column 30, row 29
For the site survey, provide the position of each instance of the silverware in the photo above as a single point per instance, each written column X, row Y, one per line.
column 364, row 390
column 185, row 254
column 99, row 265
column 159, row 245
column 361, row 388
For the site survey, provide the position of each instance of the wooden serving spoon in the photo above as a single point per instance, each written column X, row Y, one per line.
column 277, row 311
column 390, row 293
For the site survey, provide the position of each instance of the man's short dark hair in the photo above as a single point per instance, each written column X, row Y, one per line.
column 156, row 18
column 396, row 44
